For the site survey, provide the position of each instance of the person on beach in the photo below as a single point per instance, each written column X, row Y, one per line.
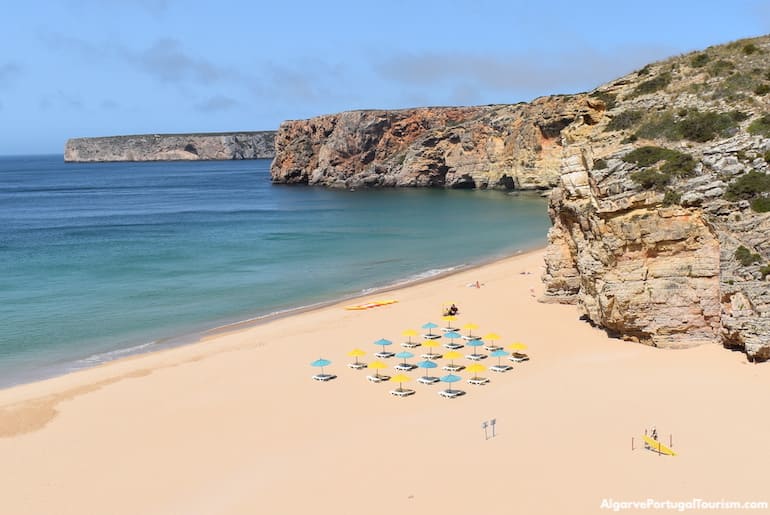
column 453, row 310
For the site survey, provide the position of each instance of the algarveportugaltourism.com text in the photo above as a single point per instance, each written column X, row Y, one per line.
column 692, row 504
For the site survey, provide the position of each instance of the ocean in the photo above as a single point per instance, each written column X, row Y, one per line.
column 99, row 261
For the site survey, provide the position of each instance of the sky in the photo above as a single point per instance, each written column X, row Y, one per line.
column 76, row 68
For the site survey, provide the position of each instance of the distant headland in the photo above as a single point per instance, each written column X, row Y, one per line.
column 172, row 147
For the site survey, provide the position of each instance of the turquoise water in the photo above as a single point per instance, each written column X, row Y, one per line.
column 101, row 260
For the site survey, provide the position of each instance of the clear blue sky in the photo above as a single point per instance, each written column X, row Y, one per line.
column 72, row 68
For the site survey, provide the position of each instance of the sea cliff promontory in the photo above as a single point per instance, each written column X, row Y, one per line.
column 172, row 147
column 660, row 187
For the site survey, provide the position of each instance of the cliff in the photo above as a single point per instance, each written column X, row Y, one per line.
column 503, row 147
column 660, row 187
column 172, row 147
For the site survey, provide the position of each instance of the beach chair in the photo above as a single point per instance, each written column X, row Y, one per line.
column 427, row 336
column 519, row 357
column 453, row 346
column 454, row 367
column 378, row 379
column 492, row 348
column 324, row 377
column 470, row 338
column 402, row 392
column 405, row 367
column 428, row 380
column 411, row 345
column 431, row 356
column 451, row 394
column 500, row 368
column 476, row 357
column 357, row 366
column 478, row 381
column 385, row 354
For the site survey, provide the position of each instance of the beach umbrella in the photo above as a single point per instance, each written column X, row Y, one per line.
column 409, row 333
column 405, row 355
column 452, row 335
column 491, row 336
column 476, row 344
column 431, row 344
column 517, row 346
column 499, row 353
column 427, row 365
column 356, row 353
column 377, row 366
column 476, row 368
column 430, row 326
column 321, row 362
column 400, row 378
column 452, row 355
column 470, row 327
column 383, row 342
column 449, row 319
column 450, row 378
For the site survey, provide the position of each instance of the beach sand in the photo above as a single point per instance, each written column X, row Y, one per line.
column 235, row 424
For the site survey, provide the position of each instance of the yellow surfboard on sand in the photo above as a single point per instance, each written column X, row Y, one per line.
column 657, row 446
column 372, row 304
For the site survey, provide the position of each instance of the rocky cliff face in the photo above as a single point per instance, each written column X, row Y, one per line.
column 505, row 147
column 659, row 226
column 172, row 147
column 661, row 186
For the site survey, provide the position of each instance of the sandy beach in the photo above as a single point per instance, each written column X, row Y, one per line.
column 234, row 423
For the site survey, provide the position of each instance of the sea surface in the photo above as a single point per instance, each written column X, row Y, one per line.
column 99, row 261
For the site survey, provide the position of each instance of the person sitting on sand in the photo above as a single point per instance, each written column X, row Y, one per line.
column 453, row 310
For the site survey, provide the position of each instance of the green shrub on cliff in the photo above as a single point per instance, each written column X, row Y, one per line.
column 652, row 85
column 675, row 162
column 765, row 271
column 692, row 125
column 699, row 60
column 760, row 204
column 761, row 126
column 651, row 179
column 748, row 186
column 609, row 99
column 745, row 257
column 672, row 198
column 625, row 120
column 600, row 164
column 721, row 67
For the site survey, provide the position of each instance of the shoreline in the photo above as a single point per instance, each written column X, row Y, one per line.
column 234, row 424
column 193, row 337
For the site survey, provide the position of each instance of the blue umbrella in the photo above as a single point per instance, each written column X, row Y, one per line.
column 452, row 335
column 475, row 343
column 429, row 326
column 383, row 342
column 427, row 365
column 450, row 378
column 405, row 355
column 321, row 362
column 499, row 353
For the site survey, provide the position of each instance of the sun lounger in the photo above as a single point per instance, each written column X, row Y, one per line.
column 384, row 355
column 378, row 379
column 410, row 345
column 431, row 336
column 431, row 356
column 518, row 357
column 324, row 377
column 405, row 367
column 449, row 328
column 476, row 357
column 402, row 392
column 451, row 394
column 428, row 380
column 478, row 380
column 453, row 346
column 500, row 368
column 452, row 368
column 357, row 366
column 470, row 338
column 492, row 348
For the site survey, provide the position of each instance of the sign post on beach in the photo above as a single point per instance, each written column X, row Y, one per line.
column 484, row 427
column 492, row 423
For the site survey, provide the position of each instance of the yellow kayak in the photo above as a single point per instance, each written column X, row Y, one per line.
column 373, row 304
column 657, row 446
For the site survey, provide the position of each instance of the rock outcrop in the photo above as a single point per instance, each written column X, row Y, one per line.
column 661, row 187
column 503, row 147
column 172, row 147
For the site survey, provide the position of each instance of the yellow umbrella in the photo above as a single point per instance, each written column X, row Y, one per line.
column 470, row 326
column 356, row 353
column 476, row 368
column 431, row 344
column 491, row 336
column 409, row 333
column 452, row 355
column 377, row 366
column 449, row 319
column 400, row 378
column 517, row 346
